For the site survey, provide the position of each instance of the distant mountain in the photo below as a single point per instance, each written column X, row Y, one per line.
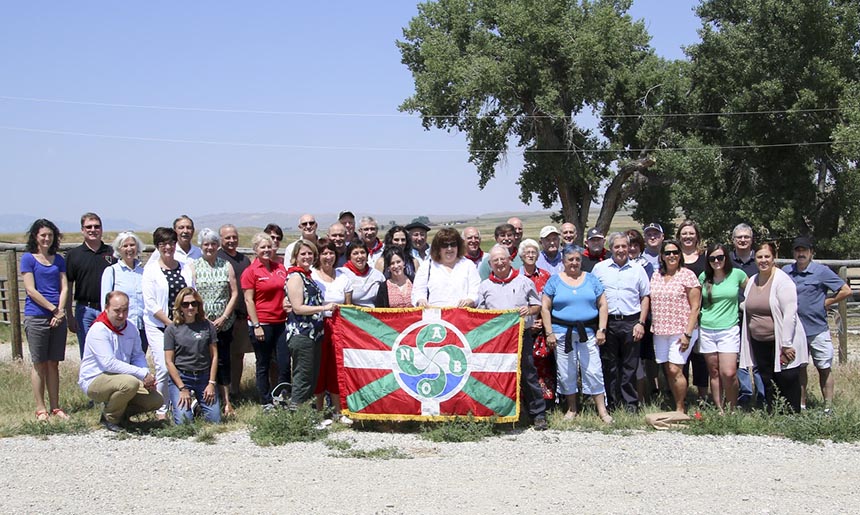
column 18, row 223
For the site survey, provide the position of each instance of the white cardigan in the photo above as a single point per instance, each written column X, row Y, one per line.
column 787, row 329
column 155, row 291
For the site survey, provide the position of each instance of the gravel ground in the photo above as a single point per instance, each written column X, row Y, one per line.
column 645, row 472
column 523, row 472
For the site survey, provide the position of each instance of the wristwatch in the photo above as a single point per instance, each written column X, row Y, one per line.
column 601, row 330
column 257, row 325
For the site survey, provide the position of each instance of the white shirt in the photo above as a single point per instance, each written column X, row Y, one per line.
column 155, row 290
column 445, row 287
column 363, row 289
column 108, row 352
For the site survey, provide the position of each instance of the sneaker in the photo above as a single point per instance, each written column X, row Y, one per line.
column 195, row 406
column 322, row 425
column 828, row 412
column 110, row 426
column 267, row 408
column 343, row 419
column 281, row 395
column 540, row 423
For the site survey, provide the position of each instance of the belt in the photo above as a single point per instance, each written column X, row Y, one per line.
column 625, row 318
column 92, row 305
column 193, row 373
column 580, row 330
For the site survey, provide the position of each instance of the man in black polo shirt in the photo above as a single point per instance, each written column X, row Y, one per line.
column 241, row 344
column 594, row 249
column 84, row 267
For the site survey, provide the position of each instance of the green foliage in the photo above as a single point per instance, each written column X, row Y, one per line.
column 809, row 427
column 421, row 220
column 45, row 429
column 519, row 73
column 461, row 429
column 280, row 427
column 772, row 56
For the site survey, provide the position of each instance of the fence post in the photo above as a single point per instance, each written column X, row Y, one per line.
column 843, row 321
column 14, row 304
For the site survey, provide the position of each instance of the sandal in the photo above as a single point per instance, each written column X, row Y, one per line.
column 41, row 416
column 60, row 414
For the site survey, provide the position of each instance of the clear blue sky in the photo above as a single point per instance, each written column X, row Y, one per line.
column 310, row 57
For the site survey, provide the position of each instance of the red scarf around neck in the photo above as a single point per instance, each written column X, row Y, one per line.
column 103, row 318
column 356, row 271
column 300, row 270
column 477, row 259
column 514, row 253
column 510, row 278
column 376, row 248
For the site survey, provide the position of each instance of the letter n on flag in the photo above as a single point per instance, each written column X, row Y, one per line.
column 430, row 364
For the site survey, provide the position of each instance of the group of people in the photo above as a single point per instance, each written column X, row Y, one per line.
column 599, row 316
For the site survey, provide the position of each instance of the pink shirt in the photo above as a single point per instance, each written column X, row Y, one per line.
column 670, row 308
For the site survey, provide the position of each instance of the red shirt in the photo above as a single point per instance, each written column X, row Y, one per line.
column 268, row 289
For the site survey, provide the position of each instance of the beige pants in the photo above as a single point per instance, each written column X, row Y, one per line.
column 123, row 395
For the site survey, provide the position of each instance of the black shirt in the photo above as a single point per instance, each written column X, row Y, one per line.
column 697, row 266
column 84, row 269
column 749, row 267
column 239, row 262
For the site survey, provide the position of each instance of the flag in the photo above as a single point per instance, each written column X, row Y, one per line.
column 430, row 364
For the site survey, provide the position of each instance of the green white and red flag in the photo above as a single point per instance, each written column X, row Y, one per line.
column 428, row 364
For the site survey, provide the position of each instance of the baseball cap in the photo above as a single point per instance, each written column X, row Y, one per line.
column 547, row 230
column 653, row 225
column 802, row 241
column 345, row 213
column 594, row 233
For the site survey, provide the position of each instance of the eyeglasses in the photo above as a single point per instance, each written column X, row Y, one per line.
column 192, row 304
column 450, row 245
column 369, row 229
column 714, row 259
column 275, row 237
column 93, row 226
column 743, row 237
column 671, row 252
column 308, row 224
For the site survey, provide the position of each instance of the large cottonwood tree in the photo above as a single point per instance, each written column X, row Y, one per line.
column 520, row 73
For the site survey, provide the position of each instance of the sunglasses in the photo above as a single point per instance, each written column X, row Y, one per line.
column 450, row 245
column 307, row 224
column 671, row 252
column 275, row 237
column 92, row 226
column 192, row 304
column 714, row 259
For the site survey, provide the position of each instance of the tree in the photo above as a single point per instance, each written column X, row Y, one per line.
column 421, row 220
column 519, row 73
column 772, row 71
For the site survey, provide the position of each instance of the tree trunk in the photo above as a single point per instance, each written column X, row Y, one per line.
column 620, row 189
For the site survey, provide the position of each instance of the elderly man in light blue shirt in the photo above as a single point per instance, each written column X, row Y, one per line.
column 627, row 291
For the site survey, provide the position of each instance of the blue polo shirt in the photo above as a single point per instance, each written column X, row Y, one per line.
column 553, row 266
column 624, row 285
column 813, row 284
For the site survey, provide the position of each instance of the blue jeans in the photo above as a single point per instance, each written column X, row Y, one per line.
column 745, row 386
column 85, row 316
column 198, row 382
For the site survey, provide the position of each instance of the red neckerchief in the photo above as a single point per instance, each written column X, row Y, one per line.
column 300, row 270
column 477, row 259
column 510, row 278
column 514, row 253
column 356, row 271
column 536, row 274
column 601, row 257
column 103, row 318
column 376, row 248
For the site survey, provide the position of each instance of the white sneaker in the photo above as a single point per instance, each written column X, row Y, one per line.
column 343, row 419
column 322, row 425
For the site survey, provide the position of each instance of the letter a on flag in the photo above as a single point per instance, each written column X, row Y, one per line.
column 431, row 364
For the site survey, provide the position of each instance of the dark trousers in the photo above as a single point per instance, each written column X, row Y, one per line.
column 786, row 382
column 225, row 338
column 273, row 336
column 306, row 354
column 529, row 384
column 619, row 357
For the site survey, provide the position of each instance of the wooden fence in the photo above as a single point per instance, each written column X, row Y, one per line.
column 12, row 295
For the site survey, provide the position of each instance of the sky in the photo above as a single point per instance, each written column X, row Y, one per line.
column 323, row 81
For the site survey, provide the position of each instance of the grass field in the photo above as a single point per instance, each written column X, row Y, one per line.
column 17, row 414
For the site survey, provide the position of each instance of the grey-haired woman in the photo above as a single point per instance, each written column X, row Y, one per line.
column 126, row 275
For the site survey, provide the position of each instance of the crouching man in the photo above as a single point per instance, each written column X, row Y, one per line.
column 507, row 289
column 114, row 369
